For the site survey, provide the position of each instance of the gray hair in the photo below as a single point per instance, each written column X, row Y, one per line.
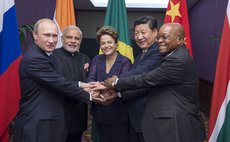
column 72, row 27
column 36, row 26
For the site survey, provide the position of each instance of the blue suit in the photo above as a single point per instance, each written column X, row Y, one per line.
column 135, row 99
column 114, row 114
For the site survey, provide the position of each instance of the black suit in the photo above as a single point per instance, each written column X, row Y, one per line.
column 71, row 66
column 134, row 101
column 171, row 113
column 41, row 110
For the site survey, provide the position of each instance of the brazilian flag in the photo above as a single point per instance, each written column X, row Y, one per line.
column 116, row 16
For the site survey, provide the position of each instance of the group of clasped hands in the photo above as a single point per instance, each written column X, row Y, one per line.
column 101, row 92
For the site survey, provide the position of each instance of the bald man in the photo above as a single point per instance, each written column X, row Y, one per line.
column 41, row 110
column 171, row 113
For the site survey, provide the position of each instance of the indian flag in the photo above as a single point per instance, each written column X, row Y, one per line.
column 64, row 16
column 219, row 125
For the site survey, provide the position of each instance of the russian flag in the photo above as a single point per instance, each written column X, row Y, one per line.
column 10, row 55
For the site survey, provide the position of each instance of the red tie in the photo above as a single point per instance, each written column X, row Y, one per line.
column 143, row 54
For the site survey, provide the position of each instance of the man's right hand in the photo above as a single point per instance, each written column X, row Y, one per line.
column 110, row 82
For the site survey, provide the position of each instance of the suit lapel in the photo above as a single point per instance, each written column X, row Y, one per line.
column 154, row 47
column 172, row 54
column 138, row 59
column 116, row 65
column 43, row 53
column 101, row 67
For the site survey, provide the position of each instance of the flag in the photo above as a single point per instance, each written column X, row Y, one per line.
column 177, row 13
column 64, row 16
column 116, row 16
column 219, row 124
column 10, row 55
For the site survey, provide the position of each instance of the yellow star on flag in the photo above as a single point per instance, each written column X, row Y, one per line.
column 174, row 10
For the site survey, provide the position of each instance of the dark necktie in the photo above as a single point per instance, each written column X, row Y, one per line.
column 51, row 56
column 143, row 54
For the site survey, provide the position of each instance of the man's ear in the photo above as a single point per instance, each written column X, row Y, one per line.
column 35, row 35
column 180, row 40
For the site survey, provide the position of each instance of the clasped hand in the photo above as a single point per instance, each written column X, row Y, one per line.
column 101, row 92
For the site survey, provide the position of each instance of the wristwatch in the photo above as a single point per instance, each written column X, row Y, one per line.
column 114, row 83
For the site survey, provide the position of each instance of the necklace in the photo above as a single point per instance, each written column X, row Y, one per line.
column 109, row 64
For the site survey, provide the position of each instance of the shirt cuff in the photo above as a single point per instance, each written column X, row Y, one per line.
column 119, row 94
column 79, row 84
column 90, row 97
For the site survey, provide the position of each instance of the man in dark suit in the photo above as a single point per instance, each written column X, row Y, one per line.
column 73, row 65
column 145, row 35
column 171, row 113
column 41, row 111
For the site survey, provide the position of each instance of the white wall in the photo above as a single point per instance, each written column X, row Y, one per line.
column 90, row 21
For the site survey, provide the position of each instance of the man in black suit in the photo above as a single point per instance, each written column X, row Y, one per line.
column 41, row 110
column 73, row 65
column 171, row 113
column 145, row 35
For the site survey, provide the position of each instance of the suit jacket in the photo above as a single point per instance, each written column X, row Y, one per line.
column 134, row 101
column 172, row 105
column 41, row 111
column 114, row 113
column 71, row 66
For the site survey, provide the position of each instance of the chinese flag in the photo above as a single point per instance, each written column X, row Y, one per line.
column 177, row 13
